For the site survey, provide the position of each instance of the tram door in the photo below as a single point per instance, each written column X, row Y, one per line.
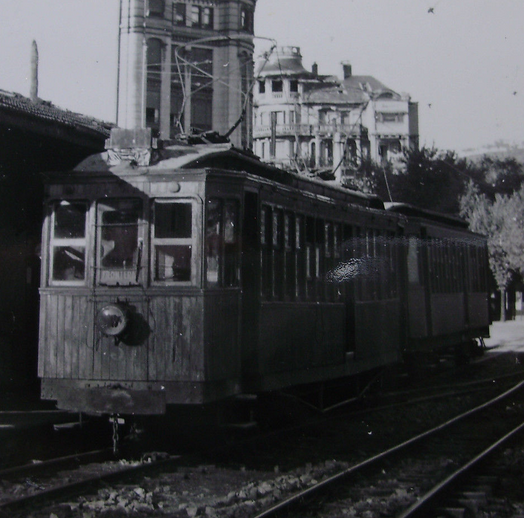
column 250, row 284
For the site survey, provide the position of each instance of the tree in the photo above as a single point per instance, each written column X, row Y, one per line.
column 431, row 179
column 499, row 175
column 502, row 221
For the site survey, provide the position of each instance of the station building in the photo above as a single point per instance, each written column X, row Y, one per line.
column 305, row 121
column 186, row 67
column 36, row 137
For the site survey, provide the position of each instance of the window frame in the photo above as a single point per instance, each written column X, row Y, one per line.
column 156, row 13
column 229, row 249
column 141, row 279
column 179, row 14
column 176, row 241
column 55, row 243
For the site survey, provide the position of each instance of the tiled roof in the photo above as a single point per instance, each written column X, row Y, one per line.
column 45, row 110
column 355, row 89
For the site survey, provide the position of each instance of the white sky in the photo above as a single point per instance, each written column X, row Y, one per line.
column 463, row 63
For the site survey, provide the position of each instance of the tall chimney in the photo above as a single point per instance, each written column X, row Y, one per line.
column 346, row 69
column 314, row 69
column 33, row 92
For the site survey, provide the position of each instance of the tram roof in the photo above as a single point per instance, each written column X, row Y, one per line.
column 221, row 156
column 412, row 211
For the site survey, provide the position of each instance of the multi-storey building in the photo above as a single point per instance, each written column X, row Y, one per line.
column 186, row 66
column 306, row 121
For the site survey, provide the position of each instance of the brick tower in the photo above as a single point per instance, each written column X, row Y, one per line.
column 186, row 66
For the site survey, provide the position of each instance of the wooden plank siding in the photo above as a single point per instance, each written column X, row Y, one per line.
column 447, row 313
column 378, row 333
column 175, row 344
column 222, row 335
column 300, row 336
column 171, row 349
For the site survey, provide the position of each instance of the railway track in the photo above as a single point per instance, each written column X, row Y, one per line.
column 44, row 482
column 38, row 489
column 405, row 480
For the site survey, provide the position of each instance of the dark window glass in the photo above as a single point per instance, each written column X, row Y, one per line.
column 70, row 220
column 156, row 7
column 119, row 233
column 276, row 85
column 222, row 254
column 173, row 263
column 246, row 19
column 261, row 87
column 293, row 85
column 173, row 220
column 68, row 241
column 179, row 14
column 207, row 17
column 68, row 263
column 173, row 241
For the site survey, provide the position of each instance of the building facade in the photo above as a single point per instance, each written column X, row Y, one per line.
column 304, row 121
column 186, row 67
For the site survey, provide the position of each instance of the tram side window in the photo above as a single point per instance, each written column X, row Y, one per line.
column 120, row 247
column 68, row 241
column 311, row 258
column 265, row 241
column 222, row 261
column 172, row 241
column 278, row 253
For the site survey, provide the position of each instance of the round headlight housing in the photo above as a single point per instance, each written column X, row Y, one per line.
column 113, row 319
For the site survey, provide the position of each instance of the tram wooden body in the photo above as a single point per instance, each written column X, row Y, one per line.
column 191, row 274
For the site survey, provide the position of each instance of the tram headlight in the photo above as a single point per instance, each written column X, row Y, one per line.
column 113, row 319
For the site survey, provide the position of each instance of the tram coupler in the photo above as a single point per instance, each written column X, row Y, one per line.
column 116, row 421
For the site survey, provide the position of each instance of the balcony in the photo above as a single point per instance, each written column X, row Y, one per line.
column 305, row 130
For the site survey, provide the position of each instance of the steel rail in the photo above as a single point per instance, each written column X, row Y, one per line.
column 33, row 468
column 10, row 506
column 421, row 506
column 330, row 481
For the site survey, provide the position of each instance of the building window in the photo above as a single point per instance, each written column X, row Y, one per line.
column 390, row 117
column 246, row 19
column 152, row 116
column 276, row 85
column 179, row 14
column 154, row 58
column 195, row 16
column 293, row 85
column 261, row 87
column 207, row 17
column 156, row 8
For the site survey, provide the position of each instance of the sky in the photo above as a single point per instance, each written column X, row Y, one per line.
column 461, row 60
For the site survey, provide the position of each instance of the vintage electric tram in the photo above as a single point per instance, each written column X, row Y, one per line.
column 187, row 274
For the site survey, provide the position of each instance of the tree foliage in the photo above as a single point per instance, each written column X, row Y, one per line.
column 501, row 219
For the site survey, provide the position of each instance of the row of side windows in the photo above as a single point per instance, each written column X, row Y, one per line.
column 307, row 258
column 190, row 15
column 454, row 267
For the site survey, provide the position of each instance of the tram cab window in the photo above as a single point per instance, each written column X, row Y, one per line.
column 172, row 241
column 222, row 259
column 120, row 245
column 68, row 242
